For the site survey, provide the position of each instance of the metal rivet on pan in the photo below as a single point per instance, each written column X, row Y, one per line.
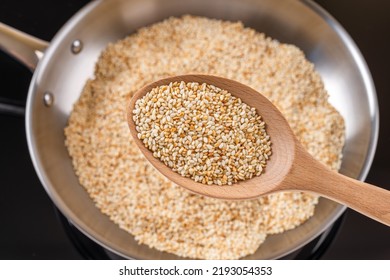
column 77, row 46
column 48, row 99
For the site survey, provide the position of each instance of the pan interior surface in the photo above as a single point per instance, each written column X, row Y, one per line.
column 64, row 73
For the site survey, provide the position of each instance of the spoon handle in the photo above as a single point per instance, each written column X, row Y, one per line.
column 367, row 199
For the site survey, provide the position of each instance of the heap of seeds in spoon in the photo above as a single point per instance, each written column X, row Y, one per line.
column 202, row 132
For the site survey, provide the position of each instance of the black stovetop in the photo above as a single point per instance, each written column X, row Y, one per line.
column 30, row 228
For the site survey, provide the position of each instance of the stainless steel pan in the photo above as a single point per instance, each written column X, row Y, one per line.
column 63, row 66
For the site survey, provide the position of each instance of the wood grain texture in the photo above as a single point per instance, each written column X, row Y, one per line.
column 290, row 167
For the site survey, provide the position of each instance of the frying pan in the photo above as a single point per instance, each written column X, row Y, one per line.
column 62, row 67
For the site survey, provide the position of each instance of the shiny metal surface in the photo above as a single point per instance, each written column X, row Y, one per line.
column 48, row 99
column 63, row 73
column 25, row 48
column 76, row 46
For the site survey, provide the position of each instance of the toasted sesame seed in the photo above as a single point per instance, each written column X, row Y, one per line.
column 124, row 186
column 200, row 110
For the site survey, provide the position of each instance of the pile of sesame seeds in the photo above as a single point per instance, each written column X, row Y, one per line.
column 202, row 132
column 135, row 196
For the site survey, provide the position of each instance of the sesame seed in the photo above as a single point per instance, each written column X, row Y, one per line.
column 159, row 214
column 196, row 110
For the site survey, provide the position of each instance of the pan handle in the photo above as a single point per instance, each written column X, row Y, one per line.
column 26, row 49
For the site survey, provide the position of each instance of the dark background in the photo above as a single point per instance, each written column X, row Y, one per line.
column 29, row 226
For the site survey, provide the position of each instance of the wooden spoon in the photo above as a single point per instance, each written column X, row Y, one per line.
column 290, row 168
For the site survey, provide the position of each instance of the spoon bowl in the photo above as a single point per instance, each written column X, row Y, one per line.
column 290, row 168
